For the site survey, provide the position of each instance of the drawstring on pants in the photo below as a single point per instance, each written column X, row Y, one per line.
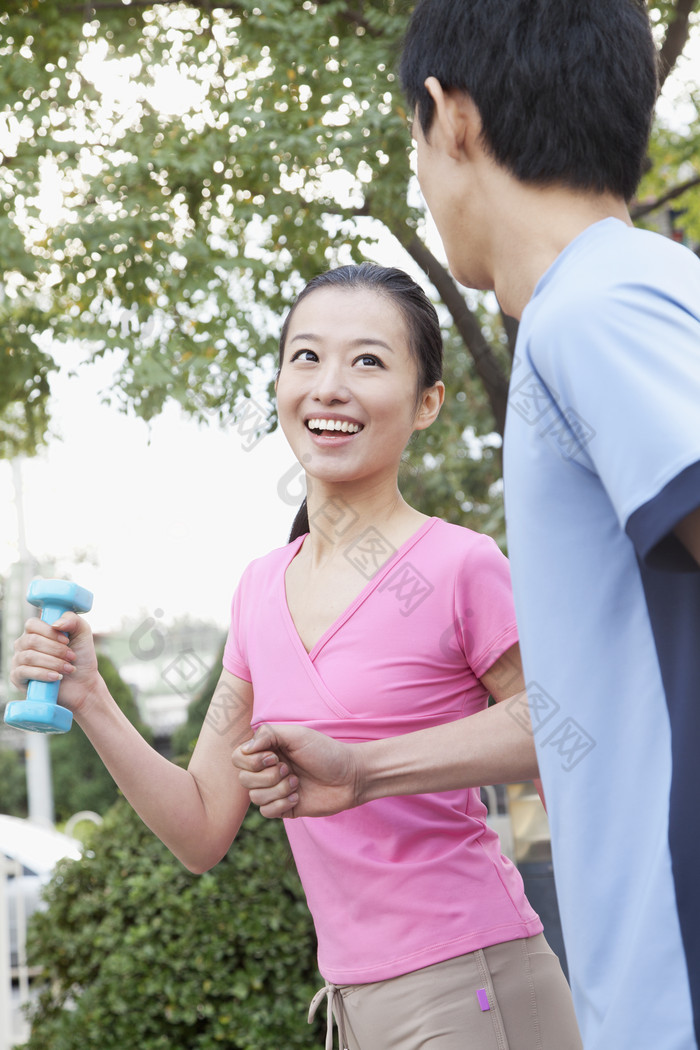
column 334, row 998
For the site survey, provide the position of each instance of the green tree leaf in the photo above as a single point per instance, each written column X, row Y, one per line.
column 174, row 228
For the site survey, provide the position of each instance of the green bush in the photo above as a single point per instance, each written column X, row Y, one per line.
column 13, row 783
column 137, row 952
column 185, row 736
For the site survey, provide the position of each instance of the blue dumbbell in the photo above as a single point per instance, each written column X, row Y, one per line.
column 40, row 712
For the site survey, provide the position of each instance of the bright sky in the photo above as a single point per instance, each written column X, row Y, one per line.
column 171, row 513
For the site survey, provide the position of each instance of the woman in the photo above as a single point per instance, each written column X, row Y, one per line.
column 374, row 618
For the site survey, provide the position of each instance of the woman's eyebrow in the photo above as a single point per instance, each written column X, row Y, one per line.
column 305, row 336
column 354, row 343
column 370, row 341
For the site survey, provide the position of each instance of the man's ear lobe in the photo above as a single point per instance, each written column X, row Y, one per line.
column 456, row 117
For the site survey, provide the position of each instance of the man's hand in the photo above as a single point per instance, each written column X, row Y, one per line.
column 292, row 771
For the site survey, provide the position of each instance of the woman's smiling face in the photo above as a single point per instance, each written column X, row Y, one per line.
column 347, row 389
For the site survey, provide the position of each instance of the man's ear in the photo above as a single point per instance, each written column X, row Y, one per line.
column 456, row 118
column 430, row 405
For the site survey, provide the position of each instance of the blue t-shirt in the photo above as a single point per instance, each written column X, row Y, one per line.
column 602, row 460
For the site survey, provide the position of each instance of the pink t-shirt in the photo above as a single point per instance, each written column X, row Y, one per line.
column 399, row 883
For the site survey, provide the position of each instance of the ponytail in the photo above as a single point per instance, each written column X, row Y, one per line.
column 300, row 525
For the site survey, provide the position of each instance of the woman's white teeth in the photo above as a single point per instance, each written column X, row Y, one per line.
column 334, row 424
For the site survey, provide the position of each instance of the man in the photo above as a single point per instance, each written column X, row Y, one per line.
column 531, row 126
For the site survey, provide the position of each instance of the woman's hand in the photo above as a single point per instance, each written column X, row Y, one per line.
column 50, row 652
column 292, row 771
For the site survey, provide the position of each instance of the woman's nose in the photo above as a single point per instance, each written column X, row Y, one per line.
column 331, row 385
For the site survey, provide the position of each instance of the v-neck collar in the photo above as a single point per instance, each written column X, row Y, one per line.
column 391, row 562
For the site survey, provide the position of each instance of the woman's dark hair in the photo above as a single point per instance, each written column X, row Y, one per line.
column 565, row 88
column 425, row 337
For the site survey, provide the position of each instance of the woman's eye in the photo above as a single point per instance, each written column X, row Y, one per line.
column 304, row 355
column 368, row 360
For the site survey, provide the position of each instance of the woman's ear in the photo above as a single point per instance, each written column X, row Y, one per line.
column 430, row 405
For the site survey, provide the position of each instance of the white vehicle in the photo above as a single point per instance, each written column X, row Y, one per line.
column 35, row 850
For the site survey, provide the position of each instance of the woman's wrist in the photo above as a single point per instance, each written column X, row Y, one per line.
column 96, row 702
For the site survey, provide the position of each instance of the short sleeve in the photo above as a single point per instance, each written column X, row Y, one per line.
column 625, row 376
column 484, row 607
column 651, row 526
column 235, row 651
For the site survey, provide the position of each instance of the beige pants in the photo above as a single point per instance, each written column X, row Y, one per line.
column 511, row 996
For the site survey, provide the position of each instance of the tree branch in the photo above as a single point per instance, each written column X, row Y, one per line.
column 95, row 6
column 360, row 211
column 510, row 327
column 488, row 369
column 677, row 32
column 350, row 15
column 355, row 17
column 645, row 207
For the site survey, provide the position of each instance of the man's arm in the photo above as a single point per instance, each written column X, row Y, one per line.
column 688, row 532
column 293, row 771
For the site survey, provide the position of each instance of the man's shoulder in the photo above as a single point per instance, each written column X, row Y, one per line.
column 612, row 255
column 609, row 272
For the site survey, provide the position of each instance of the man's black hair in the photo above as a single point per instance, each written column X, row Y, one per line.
column 565, row 88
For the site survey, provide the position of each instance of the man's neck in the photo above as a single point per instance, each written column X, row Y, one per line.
column 539, row 224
